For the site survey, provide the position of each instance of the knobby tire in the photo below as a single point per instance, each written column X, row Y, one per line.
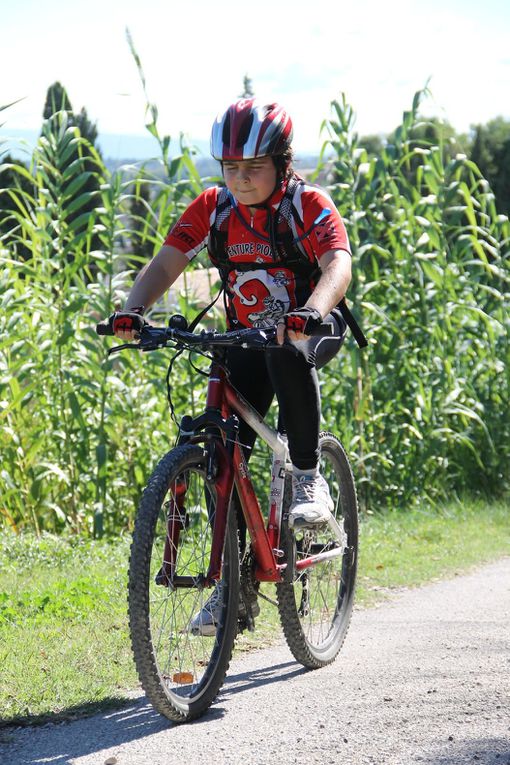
column 315, row 605
column 166, row 654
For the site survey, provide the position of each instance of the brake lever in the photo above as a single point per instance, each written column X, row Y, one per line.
column 117, row 348
column 149, row 339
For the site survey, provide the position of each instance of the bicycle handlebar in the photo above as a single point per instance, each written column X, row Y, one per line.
column 151, row 337
column 104, row 328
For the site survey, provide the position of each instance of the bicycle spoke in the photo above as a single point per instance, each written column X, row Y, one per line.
column 186, row 666
column 315, row 609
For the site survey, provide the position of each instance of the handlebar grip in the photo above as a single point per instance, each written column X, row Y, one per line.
column 105, row 327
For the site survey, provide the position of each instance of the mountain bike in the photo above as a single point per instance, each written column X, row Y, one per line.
column 185, row 540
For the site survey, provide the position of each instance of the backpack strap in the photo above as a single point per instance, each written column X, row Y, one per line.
column 295, row 260
column 352, row 324
column 198, row 318
column 286, row 250
column 218, row 233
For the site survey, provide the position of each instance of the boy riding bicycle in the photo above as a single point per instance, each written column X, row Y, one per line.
column 284, row 258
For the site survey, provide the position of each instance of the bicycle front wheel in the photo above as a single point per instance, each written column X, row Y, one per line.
column 315, row 602
column 180, row 670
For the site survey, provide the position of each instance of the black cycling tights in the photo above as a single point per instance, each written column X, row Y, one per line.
column 259, row 375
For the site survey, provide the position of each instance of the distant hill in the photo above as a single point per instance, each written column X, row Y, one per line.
column 119, row 149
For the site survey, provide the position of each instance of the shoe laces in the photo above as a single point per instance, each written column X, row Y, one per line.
column 215, row 597
column 308, row 489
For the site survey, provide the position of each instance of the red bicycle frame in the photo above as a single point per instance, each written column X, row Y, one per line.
column 231, row 469
column 223, row 397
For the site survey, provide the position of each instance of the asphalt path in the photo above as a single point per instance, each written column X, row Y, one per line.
column 422, row 678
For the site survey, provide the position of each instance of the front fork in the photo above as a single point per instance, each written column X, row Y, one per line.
column 176, row 519
column 220, row 474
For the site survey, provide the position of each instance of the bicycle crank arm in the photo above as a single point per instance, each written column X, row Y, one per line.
column 314, row 559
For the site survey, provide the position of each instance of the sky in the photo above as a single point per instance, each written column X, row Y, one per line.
column 301, row 53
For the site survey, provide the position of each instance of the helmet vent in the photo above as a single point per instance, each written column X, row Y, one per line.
column 226, row 130
column 248, row 130
column 244, row 131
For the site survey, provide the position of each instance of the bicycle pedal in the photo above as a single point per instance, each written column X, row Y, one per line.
column 300, row 525
column 246, row 624
column 246, row 617
column 278, row 553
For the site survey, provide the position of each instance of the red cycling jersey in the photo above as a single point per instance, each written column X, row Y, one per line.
column 259, row 297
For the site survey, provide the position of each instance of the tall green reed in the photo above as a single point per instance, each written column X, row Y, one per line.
column 79, row 431
column 425, row 410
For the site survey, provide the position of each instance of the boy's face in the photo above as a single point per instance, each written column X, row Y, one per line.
column 251, row 181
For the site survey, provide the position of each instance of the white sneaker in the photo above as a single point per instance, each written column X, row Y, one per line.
column 311, row 501
column 207, row 620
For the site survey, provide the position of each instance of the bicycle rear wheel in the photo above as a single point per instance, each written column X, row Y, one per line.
column 180, row 671
column 315, row 603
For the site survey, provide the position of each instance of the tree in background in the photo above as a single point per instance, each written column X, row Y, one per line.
column 488, row 147
column 57, row 100
column 415, row 143
column 435, row 132
column 248, row 91
column 491, row 152
column 83, row 154
column 373, row 144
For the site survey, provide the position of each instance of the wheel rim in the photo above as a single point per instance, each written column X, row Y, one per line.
column 184, row 659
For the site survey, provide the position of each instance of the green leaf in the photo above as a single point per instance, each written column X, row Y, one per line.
column 79, row 202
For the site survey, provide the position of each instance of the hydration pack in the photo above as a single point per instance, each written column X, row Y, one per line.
column 286, row 248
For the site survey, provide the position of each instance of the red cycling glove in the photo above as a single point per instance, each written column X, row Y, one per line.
column 128, row 321
column 303, row 320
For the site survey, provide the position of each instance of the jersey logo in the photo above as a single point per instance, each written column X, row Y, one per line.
column 324, row 230
column 260, row 297
column 271, row 312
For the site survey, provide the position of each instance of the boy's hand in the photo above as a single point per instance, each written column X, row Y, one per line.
column 123, row 324
column 298, row 324
column 127, row 325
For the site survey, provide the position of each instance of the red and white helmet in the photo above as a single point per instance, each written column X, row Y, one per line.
column 249, row 129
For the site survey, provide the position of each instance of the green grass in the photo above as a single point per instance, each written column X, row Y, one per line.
column 64, row 643
column 408, row 549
